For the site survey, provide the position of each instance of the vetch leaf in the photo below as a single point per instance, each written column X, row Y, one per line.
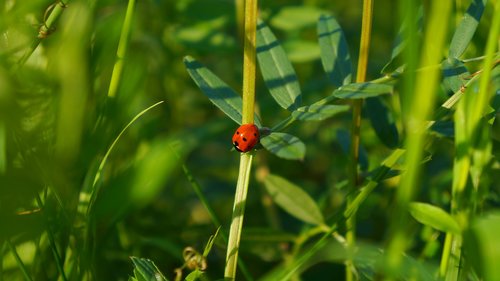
column 454, row 74
column 382, row 122
column 318, row 112
column 362, row 90
column 219, row 93
column 195, row 275
column 300, row 50
column 284, row 145
column 466, row 28
column 293, row 199
column 293, row 18
column 146, row 269
column 277, row 70
column 400, row 43
column 344, row 139
column 334, row 51
column 433, row 216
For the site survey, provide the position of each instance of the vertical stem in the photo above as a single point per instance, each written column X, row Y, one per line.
column 19, row 261
column 364, row 48
column 421, row 103
column 121, row 51
column 249, row 55
column 249, row 65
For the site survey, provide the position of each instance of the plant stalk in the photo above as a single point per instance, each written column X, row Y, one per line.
column 122, row 50
column 364, row 48
column 249, row 65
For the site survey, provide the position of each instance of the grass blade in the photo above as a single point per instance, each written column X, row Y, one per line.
column 362, row 90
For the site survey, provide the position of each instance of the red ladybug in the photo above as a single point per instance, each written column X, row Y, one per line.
column 246, row 137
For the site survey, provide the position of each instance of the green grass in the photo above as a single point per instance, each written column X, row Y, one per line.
column 116, row 165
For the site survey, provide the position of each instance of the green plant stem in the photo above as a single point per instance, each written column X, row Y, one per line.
column 238, row 215
column 3, row 147
column 421, row 102
column 468, row 144
column 122, row 50
column 52, row 242
column 249, row 65
column 46, row 28
column 197, row 189
column 364, row 48
column 19, row 261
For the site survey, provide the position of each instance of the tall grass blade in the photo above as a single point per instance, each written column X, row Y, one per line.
column 466, row 29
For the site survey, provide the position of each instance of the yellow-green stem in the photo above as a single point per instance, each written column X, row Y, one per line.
column 121, row 51
column 364, row 47
column 249, row 65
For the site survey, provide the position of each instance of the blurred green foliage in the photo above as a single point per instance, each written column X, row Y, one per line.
column 57, row 123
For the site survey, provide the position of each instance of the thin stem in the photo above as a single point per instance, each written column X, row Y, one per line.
column 249, row 55
column 52, row 241
column 47, row 27
column 19, row 261
column 122, row 50
column 238, row 215
column 197, row 189
column 364, row 48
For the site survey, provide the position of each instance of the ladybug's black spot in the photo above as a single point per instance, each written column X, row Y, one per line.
column 237, row 132
column 244, row 139
column 236, row 146
column 254, row 134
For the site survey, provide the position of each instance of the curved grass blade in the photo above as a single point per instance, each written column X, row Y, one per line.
column 219, row 93
column 334, row 51
column 293, row 200
column 96, row 182
column 466, row 28
column 277, row 70
column 284, row 146
column 362, row 90
column 318, row 112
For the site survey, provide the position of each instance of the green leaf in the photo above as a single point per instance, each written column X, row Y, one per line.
column 195, row 275
column 295, row 18
column 219, row 93
column 277, row 70
column 454, row 74
column 362, row 90
column 293, row 200
column 466, row 28
column 334, row 51
column 284, row 145
column 300, row 51
column 400, row 43
column 382, row 122
column 146, row 270
column 344, row 139
column 483, row 246
column 318, row 112
column 434, row 217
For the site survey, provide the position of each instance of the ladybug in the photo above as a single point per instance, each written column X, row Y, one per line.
column 246, row 137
